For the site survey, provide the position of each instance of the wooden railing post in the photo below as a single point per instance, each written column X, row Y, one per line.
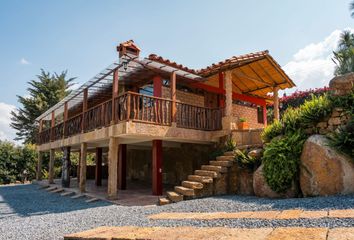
column 114, row 95
column 128, row 106
column 52, row 125
column 173, row 97
column 84, row 109
column 65, row 118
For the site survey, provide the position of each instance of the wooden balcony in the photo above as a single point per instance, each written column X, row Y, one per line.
column 135, row 107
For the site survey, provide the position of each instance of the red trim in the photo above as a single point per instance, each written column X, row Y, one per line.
column 157, row 167
column 157, row 81
column 237, row 96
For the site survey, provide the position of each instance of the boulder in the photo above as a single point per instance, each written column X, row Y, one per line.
column 262, row 189
column 255, row 153
column 324, row 171
column 342, row 85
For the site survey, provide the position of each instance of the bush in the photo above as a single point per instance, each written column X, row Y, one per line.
column 244, row 161
column 271, row 131
column 344, row 139
column 281, row 161
column 230, row 144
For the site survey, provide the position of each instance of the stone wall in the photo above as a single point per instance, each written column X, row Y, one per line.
column 185, row 97
column 177, row 163
column 250, row 113
column 338, row 118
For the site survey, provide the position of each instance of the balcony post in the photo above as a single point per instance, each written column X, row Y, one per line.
column 83, row 155
column 157, row 83
column 113, row 152
column 115, row 89
column 157, row 167
column 173, row 97
column 65, row 117
column 52, row 125
column 276, row 103
column 84, row 109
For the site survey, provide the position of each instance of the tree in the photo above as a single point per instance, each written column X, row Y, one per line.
column 44, row 92
column 344, row 56
column 351, row 7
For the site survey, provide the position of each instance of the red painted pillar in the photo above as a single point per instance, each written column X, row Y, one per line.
column 98, row 169
column 265, row 115
column 157, row 167
column 157, row 82
column 221, row 88
column 122, row 167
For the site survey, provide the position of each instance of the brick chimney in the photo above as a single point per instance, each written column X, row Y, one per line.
column 128, row 48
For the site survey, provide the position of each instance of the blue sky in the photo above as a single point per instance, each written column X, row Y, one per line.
column 80, row 35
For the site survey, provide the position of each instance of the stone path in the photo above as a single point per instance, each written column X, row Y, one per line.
column 291, row 233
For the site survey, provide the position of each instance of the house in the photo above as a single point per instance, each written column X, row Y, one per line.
column 153, row 120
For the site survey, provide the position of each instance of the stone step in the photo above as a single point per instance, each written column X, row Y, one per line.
column 206, row 173
column 64, row 194
column 78, row 196
column 202, row 179
column 92, row 200
column 225, row 158
column 230, row 153
column 192, row 185
column 44, row 186
column 164, row 201
column 185, row 191
column 59, row 190
column 174, row 197
column 50, row 189
column 221, row 163
column 243, row 147
column 219, row 169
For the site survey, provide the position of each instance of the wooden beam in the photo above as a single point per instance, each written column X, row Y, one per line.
column 258, row 89
column 113, row 152
column 173, row 96
column 258, row 76
column 157, row 167
column 115, row 91
column 240, row 81
column 98, row 167
column 157, row 85
column 82, row 184
column 122, row 167
column 251, row 78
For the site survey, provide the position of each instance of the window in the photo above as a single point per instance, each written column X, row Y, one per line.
column 260, row 115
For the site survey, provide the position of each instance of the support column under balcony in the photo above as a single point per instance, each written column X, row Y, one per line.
column 39, row 166
column 122, row 167
column 66, row 165
column 113, row 152
column 98, row 168
column 51, row 166
column 82, row 183
column 157, row 167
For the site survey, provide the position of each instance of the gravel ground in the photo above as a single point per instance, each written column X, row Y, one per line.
column 29, row 213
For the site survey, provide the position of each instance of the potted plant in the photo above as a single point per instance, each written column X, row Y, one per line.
column 243, row 124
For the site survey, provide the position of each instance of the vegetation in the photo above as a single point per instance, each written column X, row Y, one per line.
column 43, row 92
column 17, row 163
column 230, row 144
column 344, row 56
column 241, row 119
column 344, row 139
column 245, row 161
column 281, row 161
column 272, row 130
column 351, row 7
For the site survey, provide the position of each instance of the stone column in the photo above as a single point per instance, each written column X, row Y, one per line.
column 82, row 183
column 113, row 152
column 157, row 167
column 39, row 166
column 66, row 165
column 276, row 103
column 122, row 167
column 227, row 123
column 98, row 169
column 51, row 166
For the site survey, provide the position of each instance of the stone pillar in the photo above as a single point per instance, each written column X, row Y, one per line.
column 65, row 171
column 98, row 169
column 51, row 166
column 157, row 167
column 227, row 123
column 39, row 166
column 82, row 183
column 122, row 167
column 113, row 168
column 276, row 103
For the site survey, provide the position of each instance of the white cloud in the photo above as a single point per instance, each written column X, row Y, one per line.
column 6, row 132
column 312, row 66
column 23, row 61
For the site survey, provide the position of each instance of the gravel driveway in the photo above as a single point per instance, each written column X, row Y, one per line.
column 29, row 213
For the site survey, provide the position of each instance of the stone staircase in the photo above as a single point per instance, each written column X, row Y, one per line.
column 212, row 179
column 65, row 193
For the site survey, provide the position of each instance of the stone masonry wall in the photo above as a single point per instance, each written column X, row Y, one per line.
column 338, row 118
column 249, row 113
column 185, row 97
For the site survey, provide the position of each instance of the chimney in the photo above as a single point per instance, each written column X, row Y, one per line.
column 128, row 48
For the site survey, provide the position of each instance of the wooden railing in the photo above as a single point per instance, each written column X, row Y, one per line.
column 189, row 116
column 73, row 126
column 136, row 107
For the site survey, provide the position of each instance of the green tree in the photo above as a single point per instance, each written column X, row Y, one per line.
column 44, row 92
column 344, row 56
column 351, row 7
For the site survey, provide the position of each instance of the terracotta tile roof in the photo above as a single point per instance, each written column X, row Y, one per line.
column 168, row 62
column 233, row 61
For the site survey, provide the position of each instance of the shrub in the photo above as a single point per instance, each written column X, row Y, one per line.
column 344, row 139
column 291, row 120
column 271, row 131
column 281, row 161
column 230, row 144
column 244, row 161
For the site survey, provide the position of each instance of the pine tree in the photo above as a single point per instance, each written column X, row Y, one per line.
column 44, row 92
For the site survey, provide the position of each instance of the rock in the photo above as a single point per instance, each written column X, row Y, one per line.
column 342, row 85
column 245, row 181
column 323, row 171
column 334, row 121
column 262, row 189
column 255, row 153
column 321, row 125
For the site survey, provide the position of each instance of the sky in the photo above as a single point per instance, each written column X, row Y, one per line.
column 80, row 36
